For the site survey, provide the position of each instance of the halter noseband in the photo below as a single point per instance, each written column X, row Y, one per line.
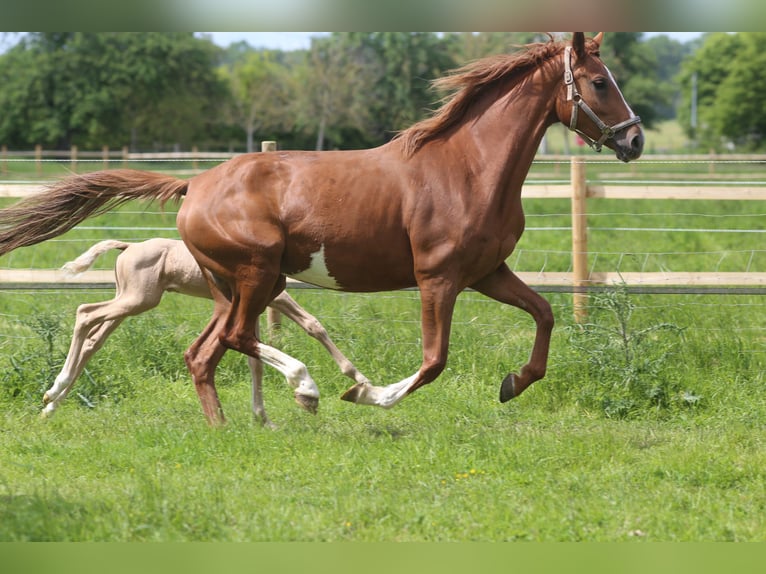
column 574, row 96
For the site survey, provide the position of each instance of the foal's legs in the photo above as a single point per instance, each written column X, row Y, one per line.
column 437, row 299
column 256, row 375
column 504, row 286
column 88, row 337
column 73, row 367
column 289, row 307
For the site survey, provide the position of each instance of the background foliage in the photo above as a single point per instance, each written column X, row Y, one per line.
column 157, row 91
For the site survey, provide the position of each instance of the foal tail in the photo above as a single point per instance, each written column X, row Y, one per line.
column 87, row 259
column 66, row 203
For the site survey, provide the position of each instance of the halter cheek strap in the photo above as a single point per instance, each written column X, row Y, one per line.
column 575, row 97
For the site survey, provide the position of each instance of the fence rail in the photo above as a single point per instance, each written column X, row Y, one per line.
column 579, row 281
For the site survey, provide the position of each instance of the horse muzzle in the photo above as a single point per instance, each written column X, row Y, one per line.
column 627, row 144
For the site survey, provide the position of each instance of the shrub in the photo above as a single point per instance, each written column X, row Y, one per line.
column 623, row 368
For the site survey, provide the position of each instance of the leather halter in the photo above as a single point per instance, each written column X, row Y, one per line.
column 574, row 96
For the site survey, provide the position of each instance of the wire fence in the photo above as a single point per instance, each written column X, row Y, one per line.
column 689, row 250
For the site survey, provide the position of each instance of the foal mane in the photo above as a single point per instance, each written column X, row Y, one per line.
column 466, row 84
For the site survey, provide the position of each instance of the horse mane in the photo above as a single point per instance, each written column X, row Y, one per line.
column 466, row 84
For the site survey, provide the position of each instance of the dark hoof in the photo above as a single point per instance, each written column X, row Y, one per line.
column 507, row 391
column 352, row 395
column 311, row 404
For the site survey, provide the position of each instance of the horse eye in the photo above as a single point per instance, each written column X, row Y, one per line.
column 599, row 83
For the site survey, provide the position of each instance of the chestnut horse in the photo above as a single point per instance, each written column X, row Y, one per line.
column 438, row 208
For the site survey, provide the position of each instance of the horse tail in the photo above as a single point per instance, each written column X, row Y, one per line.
column 65, row 204
column 87, row 259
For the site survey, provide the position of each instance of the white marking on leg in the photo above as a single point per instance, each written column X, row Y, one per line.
column 295, row 372
column 317, row 272
column 385, row 397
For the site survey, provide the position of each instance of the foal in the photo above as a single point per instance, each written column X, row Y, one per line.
column 143, row 272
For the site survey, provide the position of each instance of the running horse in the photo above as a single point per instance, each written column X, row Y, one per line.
column 438, row 208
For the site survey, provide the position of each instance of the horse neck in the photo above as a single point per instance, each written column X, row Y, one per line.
column 507, row 131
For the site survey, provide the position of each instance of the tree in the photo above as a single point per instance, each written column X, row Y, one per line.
column 398, row 69
column 90, row 89
column 634, row 66
column 331, row 102
column 259, row 94
column 357, row 89
column 469, row 46
column 726, row 112
column 668, row 54
column 730, row 98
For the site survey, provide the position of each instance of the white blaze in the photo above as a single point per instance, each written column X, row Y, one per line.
column 317, row 273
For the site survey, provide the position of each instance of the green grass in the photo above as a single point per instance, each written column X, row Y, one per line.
column 647, row 427
column 449, row 463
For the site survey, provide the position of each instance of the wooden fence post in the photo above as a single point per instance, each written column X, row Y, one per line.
column 579, row 238
column 125, row 153
column 273, row 317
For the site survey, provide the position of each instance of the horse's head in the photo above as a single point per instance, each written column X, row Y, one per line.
column 592, row 105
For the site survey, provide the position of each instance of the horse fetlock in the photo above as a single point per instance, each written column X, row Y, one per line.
column 58, row 387
column 350, row 371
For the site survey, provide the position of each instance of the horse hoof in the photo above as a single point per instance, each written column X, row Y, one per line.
column 46, row 398
column 507, row 391
column 352, row 395
column 311, row 404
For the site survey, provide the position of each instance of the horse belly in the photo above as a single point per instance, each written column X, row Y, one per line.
column 317, row 272
column 362, row 267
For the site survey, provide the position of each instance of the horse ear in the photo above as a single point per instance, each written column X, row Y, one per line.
column 598, row 39
column 578, row 43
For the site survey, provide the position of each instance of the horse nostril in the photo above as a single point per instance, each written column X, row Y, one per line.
column 637, row 143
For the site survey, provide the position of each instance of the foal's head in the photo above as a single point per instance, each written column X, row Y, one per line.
column 591, row 104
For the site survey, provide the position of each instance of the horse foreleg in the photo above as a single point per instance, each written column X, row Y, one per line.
column 504, row 286
column 437, row 305
column 311, row 325
column 78, row 357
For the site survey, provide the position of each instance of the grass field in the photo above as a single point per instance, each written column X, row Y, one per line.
column 649, row 425
column 129, row 456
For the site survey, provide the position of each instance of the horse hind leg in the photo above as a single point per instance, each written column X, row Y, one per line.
column 72, row 370
column 201, row 358
column 504, row 286
column 88, row 337
column 240, row 334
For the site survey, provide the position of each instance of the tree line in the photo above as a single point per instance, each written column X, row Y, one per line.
column 159, row 91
